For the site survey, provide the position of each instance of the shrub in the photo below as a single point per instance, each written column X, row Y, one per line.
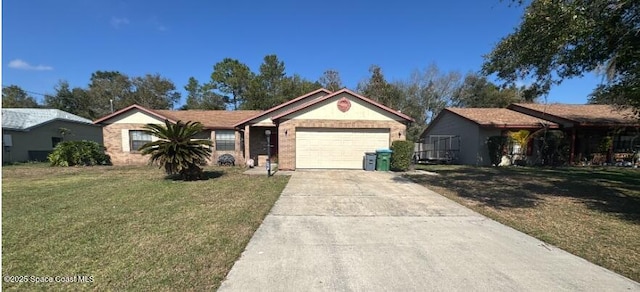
column 555, row 148
column 401, row 156
column 495, row 145
column 70, row 153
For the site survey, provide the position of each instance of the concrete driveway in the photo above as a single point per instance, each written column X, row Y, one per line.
column 371, row 231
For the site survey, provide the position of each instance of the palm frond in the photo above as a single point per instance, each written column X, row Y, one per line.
column 176, row 150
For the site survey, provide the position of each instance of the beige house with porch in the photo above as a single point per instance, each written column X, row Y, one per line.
column 123, row 135
column 321, row 129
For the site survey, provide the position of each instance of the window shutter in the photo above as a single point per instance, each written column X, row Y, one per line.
column 125, row 140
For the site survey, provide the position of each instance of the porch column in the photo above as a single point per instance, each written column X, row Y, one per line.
column 247, row 149
column 212, row 137
column 573, row 146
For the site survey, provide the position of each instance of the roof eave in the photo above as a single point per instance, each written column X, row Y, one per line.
column 126, row 109
column 519, row 126
column 15, row 129
column 220, row 127
column 607, row 125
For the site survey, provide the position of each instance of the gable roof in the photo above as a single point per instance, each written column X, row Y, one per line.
column 326, row 97
column 264, row 113
column 581, row 114
column 211, row 119
column 500, row 118
column 126, row 109
column 24, row 119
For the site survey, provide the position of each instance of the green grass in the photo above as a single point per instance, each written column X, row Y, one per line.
column 128, row 227
column 591, row 212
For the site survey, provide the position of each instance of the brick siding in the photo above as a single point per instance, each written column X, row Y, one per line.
column 112, row 135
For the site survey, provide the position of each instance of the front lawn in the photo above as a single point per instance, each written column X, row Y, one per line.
column 591, row 212
column 128, row 227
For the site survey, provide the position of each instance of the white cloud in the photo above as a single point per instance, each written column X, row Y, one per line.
column 118, row 22
column 22, row 65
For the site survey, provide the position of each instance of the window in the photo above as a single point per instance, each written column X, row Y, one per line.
column 225, row 140
column 626, row 143
column 55, row 141
column 138, row 138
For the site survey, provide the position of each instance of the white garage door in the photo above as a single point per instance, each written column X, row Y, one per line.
column 337, row 148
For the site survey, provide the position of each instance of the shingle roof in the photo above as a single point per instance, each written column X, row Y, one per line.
column 27, row 118
column 209, row 118
column 584, row 114
column 500, row 118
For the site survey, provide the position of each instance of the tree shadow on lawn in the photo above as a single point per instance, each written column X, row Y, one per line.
column 206, row 175
column 613, row 192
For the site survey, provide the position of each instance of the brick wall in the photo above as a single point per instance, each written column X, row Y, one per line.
column 287, row 134
column 112, row 135
column 237, row 153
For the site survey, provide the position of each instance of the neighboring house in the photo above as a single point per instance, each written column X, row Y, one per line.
column 587, row 127
column 584, row 128
column 321, row 129
column 467, row 129
column 30, row 134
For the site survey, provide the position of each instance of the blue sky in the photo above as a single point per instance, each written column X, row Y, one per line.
column 47, row 41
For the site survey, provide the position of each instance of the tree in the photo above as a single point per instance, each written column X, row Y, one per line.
column 107, row 88
column 232, row 78
column 202, row 97
column 193, row 94
column 15, row 97
column 112, row 90
column 377, row 88
column 478, row 91
column 75, row 101
column 402, row 96
column 176, row 150
column 152, row 91
column 330, row 80
column 63, row 99
column 266, row 89
column 557, row 40
column 295, row 86
column 424, row 95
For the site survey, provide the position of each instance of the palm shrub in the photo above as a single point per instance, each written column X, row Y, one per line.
column 401, row 155
column 521, row 138
column 176, row 149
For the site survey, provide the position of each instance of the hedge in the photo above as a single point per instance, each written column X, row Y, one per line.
column 401, row 156
column 70, row 153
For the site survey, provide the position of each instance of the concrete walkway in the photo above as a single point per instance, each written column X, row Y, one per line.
column 371, row 231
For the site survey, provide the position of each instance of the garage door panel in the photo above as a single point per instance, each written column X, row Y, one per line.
column 337, row 148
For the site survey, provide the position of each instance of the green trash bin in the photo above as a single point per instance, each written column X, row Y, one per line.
column 383, row 159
